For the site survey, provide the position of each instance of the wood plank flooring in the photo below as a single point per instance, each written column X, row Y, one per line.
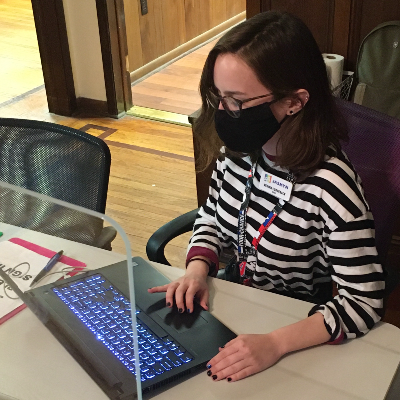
column 174, row 88
column 152, row 174
column 20, row 66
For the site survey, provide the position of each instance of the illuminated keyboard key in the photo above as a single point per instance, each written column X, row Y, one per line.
column 165, row 364
column 186, row 357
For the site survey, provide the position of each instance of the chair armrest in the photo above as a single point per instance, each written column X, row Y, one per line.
column 107, row 235
column 156, row 244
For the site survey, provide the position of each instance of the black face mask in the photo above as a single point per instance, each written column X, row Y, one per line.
column 248, row 133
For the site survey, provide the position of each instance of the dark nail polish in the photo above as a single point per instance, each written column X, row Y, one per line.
column 180, row 310
column 222, row 347
column 188, row 310
column 168, row 304
column 208, row 366
column 229, row 379
column 209, row 373
column 214, row 377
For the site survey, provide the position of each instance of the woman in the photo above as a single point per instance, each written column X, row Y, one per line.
column 283, row 195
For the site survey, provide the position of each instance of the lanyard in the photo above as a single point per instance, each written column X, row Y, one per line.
column 266, row 224
column 243, row 253
column 242, row 216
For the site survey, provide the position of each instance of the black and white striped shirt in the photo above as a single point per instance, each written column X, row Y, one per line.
column 324, row 232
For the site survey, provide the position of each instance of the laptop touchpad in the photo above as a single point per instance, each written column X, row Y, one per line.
column 181, row 322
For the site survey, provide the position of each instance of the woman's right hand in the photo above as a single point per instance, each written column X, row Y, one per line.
column 185, row 289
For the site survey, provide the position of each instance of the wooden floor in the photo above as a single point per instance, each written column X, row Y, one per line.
column 152, row 174
column 174, row 88
column 20, row 67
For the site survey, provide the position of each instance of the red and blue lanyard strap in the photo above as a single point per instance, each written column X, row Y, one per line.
column 244, row 252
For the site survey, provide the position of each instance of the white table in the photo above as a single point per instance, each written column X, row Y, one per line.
column 34, row 366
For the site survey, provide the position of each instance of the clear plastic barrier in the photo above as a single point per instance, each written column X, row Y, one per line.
column 91, row 313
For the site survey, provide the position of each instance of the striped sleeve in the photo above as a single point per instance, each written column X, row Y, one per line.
column 206, row 238
column 359, row 277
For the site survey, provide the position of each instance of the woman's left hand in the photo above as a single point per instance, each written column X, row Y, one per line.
column 244, row 356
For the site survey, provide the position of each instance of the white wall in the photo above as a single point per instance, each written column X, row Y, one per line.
column 85, row 50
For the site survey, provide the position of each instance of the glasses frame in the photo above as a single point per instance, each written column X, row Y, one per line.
column 221, row 99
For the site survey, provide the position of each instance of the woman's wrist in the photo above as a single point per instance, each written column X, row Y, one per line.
column 212, row 267
column 278, row 342
column 198, row 266
column 300, row 335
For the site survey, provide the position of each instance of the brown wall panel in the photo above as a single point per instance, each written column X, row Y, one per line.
column 150, row 25
column 197, row 17
column 374, row 12
column 135, row 57
column 253, row 7
column 218, row 12
column 171, row 23
column 317, row 14
column 341, row 28
column 155, row 33
column 235, row 7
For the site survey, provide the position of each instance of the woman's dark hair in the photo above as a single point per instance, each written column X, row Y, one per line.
column 283, row 53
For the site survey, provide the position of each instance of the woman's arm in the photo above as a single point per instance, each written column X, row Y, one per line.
column 300, row 335
column 249, row 354
column 204, row 244
column 205, row 240
column 359, row 278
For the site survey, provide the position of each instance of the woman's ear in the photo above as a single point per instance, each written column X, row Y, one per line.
column 298, row 101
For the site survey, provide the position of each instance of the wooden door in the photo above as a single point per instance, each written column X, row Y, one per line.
column 169, row 24
column 338, row 26
column 328, row 20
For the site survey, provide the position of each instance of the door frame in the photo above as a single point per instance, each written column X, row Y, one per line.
column 56, row 61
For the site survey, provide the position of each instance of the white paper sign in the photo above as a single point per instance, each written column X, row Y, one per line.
column 278, row 187
column 22, row 265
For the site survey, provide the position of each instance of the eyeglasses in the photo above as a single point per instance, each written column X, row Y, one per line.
column 231, row 105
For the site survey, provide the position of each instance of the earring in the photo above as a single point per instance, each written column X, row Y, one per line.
column 291, row 112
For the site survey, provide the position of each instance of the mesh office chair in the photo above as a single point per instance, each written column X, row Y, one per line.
column 374, row 150
column 60, row 162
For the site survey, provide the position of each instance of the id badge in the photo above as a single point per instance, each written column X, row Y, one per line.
column 248, row 267
column 278, row 187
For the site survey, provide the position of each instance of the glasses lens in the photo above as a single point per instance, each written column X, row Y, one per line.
column 231, row 106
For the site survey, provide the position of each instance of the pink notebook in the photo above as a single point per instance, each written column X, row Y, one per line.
column 78, row 265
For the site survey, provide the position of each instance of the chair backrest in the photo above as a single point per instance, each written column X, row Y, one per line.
column 60, row 162
column 55, row 160
column 374, row 150
column 377, row 69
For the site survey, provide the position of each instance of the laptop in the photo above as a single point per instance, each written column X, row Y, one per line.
column 90, row 315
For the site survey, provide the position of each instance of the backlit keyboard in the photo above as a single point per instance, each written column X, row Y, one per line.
column 107, row 313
